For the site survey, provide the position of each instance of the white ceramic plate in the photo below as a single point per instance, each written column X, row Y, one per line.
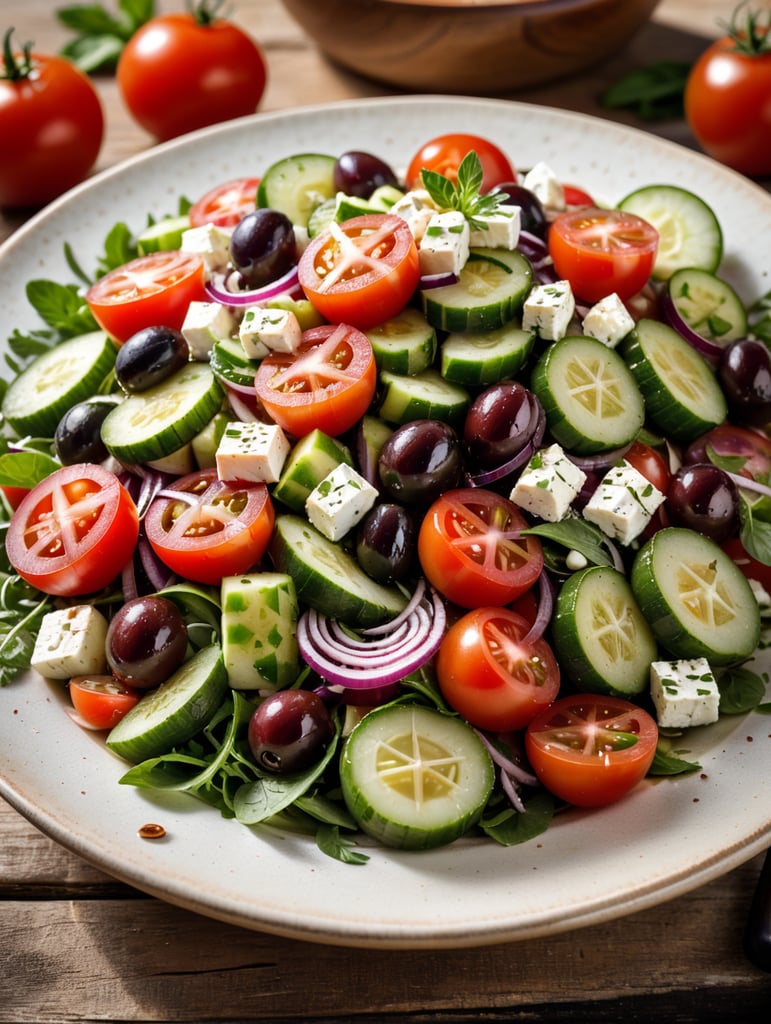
column 664, row 840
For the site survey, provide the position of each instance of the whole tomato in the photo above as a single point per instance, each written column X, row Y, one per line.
column 728, row 96
column 51, row 124
column 180, row 72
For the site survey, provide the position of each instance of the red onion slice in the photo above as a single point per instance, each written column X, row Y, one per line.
column 287, row 284
column 543, row 611
column 429, row 281
column 710, row 349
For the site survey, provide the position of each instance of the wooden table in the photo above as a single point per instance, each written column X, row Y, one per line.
column 76, row 945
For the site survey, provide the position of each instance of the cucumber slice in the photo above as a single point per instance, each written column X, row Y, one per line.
column 591, row 400
column 207, row 441
column 602, row 640
column 321, row 217
column 312, row 458
column 414, row 778
column 490, row 291
column 152, row 424
column 164, row 235
column 682, row 395
column 174, row 712
column 689, row 232
column 425, row 396
column 697, row 601
column 480, row 358
column 405, row 344
column 231, row 364
column 59, row 378
column 259, row 622
column 297, row 184
column 709, row 305
column 328, row 578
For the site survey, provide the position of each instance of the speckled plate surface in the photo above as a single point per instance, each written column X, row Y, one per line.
column 665, row 839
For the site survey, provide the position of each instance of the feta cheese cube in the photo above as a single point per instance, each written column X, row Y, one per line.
column 548, row 484
column 501, row 230
column 549, row 309
column 445, row 244
column 212, row 243
column 608, row 321
column 71, row 642
column 253, row 452
column 339, row 501
column 684, row 693
column 204, row 325
column 546, row 186
column 416, row 208
column 623, row 504
column 263, row 330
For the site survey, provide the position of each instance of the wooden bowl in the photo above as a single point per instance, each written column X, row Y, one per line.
column 475, row 47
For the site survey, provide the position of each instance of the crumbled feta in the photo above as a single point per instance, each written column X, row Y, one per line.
column 444, row 247
column 212, row 243
column 263, row 330
column 549, row 309
column 416, row 208
column 501, row 229
column 253, row 452
column 546, row 186
column 684, row 693
column 71, row 642
column 339, row 501
column 623, row 504
column 548, row 484
column 204, row 325
column 609, row 321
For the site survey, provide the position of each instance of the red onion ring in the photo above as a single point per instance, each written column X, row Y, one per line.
column 428, row 281
column 543, row 611
column 710, row 349
column 600, row 461
column 287, row 284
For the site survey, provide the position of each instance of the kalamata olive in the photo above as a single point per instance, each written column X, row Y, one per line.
column 78, row 436
column 704, row 498
column 532, row 215
column 385, row 543
column 263, row 247
column 146, row 641
column 500, row 422
column 420, row 460
column 150, row 357
column 359, row 174
column 289, row 731
column 745, row 376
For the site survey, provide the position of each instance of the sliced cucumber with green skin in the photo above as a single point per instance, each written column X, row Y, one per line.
column 259, row 624
column 414, row 778
column 297, row 184
column 591, row 400
column 708, row 305
column 682, row 395
column 174, row 712
column 164, row 235
column 405, row 344
column 328, row 578
column 489, row 292
column 321, row 217
column 480, row 358
column 697, row 601
column 59, row 378
column 602, row 640
column 312, row 458
column 152, row 424
column 231, row 364
column 689, row 232
column 425, row 396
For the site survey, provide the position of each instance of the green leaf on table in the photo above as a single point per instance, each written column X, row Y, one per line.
column 654, row 92
column 101, row 35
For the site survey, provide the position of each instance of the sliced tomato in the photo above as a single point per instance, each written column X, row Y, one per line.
column 751, row 567
column 575, row 196
column 488, row 674
column 152, row 290
column 213, row 529
column 445, row 153
column 74, row 532
column 328, row 383
column 225, row 204
column 590, row 749
column 603, row 251
column 101, row 701
column 361, row 272
column 471, row 549
column 650, row 463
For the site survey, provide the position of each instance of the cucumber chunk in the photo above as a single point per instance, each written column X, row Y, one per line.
column 479, row 358
column 164, row 235
column 709, row 305
column 297, row 184
column 404, row 344
column 259, row 622
column 414, row 778
column 425, row 396
column 312, row 458
column 174, row 712
column 490, row 291
column 698, row 603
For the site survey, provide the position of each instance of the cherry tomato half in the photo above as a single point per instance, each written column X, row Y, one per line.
column 148, row 291
column 445, row 153
column 213, row 529
column 361, row 272
column 328, row 383
column 101, row 701
column 492, row 678
column 590, row 749
column 226, row 204
column 603, row 251
column 650, row 463
column 470, row 548
column 74, row 532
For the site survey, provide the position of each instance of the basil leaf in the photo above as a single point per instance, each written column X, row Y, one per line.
column 654, row 92
column 576, row 535
column 333, row 844
column 665, row 763
column 741, row 690
column 25, row 469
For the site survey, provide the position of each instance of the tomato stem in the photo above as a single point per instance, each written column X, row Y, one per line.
column 751, row 34
column 205, row 12
column 16, row 68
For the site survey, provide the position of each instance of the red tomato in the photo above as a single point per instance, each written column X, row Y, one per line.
column 328, row 383
column 728, row 98
column 217, row 529
column 589, row 749
column 14, row 495
column 150, row 290
column 470, row 548
column 751, row 567
column 180, row 72
column 488, row 675
column 74, row 532
column 575, row 196
column 603, row 251
column 734, row 442
column 52, row 122
column 445, row 153
column 225, row 204
column 361, row 272
column 650, row 463
column 101, row 701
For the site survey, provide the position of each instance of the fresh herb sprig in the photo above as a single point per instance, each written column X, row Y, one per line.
column 464, row 194
column 101, row 35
